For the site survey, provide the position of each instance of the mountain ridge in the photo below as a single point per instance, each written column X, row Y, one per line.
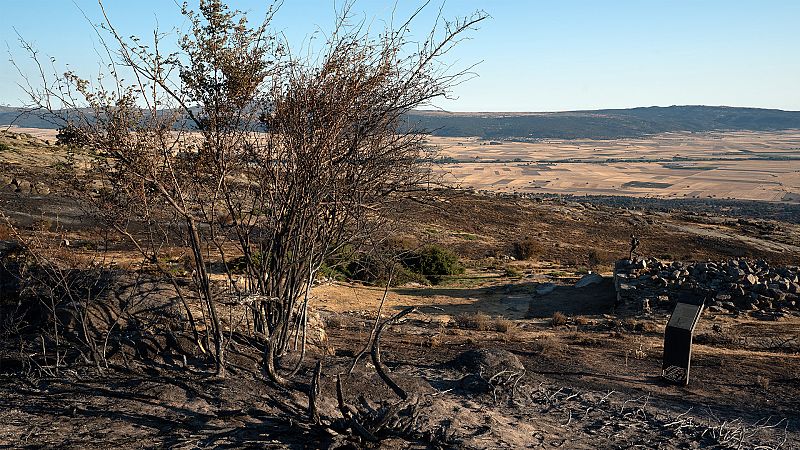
column 579, row 124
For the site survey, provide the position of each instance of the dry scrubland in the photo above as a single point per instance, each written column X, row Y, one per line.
column 500, row 363
column 723, row 165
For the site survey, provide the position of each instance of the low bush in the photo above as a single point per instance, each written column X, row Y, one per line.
column 433, row 262
column 483, row 322
column 475, row 321
column 528, row 248
column 558, row 319
column 504, row 325
column 547, row 346
column 512, row 272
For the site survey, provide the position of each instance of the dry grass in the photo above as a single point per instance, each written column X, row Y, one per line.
column 558, row 319
column 475, row 321
column 338, row 321
column 436, row 340
column 480, row 321
column 504, row 325
column 588, row 341
column 548, row 346
column 5, row 232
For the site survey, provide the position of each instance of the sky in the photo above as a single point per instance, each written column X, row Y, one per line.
column 531, row 55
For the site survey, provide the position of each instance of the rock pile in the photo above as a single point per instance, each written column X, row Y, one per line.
column 733, row 285
column 23, row 186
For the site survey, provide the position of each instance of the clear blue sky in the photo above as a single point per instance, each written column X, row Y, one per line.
column 535, row 55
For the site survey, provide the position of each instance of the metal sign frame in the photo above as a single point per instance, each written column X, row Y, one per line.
column 678, row 342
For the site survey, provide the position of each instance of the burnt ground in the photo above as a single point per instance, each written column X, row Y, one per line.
column 589, row 381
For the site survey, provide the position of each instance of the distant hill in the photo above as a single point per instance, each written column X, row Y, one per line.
column 598, row 124
column 19, row 117
column 605, row 123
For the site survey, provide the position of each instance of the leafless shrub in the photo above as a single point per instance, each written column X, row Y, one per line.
column 292, row 158
column 55, row 291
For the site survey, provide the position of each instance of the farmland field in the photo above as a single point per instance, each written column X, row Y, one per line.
column 724, row 165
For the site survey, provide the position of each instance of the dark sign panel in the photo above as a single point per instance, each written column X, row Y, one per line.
column 678, row 342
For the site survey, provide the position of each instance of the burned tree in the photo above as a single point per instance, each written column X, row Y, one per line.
column 261, row 163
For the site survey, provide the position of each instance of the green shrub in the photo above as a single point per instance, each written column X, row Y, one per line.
column 4, row 147
column 434, row 262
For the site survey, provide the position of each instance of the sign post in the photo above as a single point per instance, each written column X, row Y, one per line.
column 678, row 343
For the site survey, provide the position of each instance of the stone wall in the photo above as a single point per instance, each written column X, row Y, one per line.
column 735, row 285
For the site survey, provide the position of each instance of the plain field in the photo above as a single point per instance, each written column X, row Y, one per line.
column 738, row 165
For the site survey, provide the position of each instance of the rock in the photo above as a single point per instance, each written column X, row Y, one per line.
column 776, row 294
column 482, row 364
column 546, row 288
column 720, row 297
column 24, row 187
column 42, row 189
column 716, row 309
column 623, row 265
column 751, row 280
column 730, row 306
column 589, row 279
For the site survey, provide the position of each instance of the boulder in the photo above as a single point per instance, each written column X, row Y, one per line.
column 483, row 364
column 42, row 189
column 24, row 186
column 589, row 279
